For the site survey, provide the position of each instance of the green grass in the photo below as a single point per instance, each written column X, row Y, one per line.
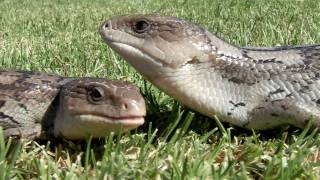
column 61, row 36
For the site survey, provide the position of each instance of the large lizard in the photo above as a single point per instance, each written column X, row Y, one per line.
column 258, row 88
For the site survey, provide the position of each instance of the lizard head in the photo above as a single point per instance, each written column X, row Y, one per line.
column 96, row 107
column 156, row 44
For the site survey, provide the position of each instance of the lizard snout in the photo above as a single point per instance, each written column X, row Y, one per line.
column 130, row 104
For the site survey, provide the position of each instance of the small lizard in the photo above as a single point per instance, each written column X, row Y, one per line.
column 34, row 105
column 259, row 88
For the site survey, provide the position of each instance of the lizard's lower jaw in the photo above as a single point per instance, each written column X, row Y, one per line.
column 124, row 45
column 84, row 126
column 112, row 123
column 142, row 62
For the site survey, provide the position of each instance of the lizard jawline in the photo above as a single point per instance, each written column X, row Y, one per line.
column 134, row 120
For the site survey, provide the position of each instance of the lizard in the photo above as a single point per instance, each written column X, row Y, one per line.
column 251, row 87
column 36, row 105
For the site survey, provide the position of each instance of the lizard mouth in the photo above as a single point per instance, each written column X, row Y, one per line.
column 126, row 121
column 130, row 48
column 85, row 125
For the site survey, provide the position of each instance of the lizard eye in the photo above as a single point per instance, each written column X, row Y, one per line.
column 141, row 26
column 95, row 94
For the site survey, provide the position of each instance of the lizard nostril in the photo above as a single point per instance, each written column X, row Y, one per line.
column 125, row 106
column 106, row 25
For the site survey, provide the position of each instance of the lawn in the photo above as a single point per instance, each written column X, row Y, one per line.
column 61, row 36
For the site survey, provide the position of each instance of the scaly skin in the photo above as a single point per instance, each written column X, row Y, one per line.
column 35, row 104
column 258, row 88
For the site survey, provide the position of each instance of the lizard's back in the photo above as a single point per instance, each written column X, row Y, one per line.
column 25, row 97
